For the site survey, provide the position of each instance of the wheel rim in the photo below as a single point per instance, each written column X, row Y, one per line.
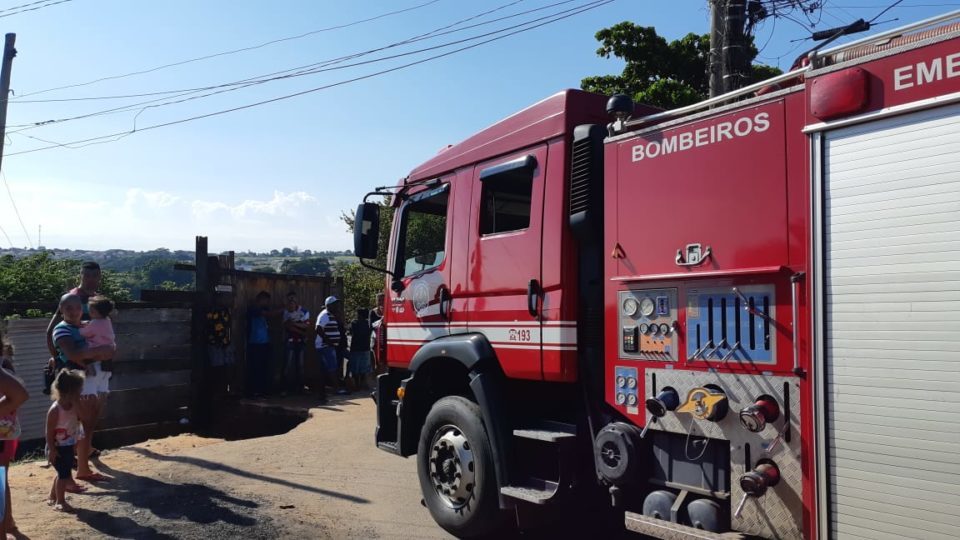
column 452, row 466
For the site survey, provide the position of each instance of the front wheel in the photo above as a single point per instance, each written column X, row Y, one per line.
column 455, row 466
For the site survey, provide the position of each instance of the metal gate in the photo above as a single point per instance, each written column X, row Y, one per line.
column 891, row 327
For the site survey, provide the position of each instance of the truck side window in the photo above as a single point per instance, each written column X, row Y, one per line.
column 423, row 232
column 505, row 201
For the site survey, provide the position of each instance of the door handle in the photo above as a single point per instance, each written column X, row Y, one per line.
column 445, row 302
column 533, row 295
column 692, row 255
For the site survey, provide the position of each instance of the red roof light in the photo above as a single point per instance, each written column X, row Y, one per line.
column 839, row 94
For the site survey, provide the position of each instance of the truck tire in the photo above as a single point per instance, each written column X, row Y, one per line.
column 455, row 466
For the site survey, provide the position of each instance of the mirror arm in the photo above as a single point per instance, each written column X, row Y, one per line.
column 371, row 267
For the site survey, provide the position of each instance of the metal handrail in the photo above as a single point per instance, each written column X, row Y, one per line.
column 955, row 14
column 786, row 76
column 718, row 99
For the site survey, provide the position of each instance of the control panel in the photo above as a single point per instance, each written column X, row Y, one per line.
column 625, row 391
column 648, row 324
column 731, row 324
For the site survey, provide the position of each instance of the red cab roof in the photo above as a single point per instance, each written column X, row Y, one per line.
column 547, row 119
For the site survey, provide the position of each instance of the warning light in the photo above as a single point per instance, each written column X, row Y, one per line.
column 839, row 94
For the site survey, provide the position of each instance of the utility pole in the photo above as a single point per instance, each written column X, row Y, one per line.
column 716, row 63
column 8, row 53
column 734, row 45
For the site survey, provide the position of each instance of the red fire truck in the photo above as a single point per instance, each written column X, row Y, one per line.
column 741, row 317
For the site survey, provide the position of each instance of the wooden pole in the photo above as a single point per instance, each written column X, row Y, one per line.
column 200, row 399
column 8, row 53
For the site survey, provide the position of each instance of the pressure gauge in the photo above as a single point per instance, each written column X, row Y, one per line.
column 665, row 329
column 647, row 307
column 631, row 383
column 644, row 328
column 621, row 398
column 630, row 307
column 621, row 381
column 654, row 329
column 632, row 400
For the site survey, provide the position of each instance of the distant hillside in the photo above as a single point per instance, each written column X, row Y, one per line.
column 124, row 260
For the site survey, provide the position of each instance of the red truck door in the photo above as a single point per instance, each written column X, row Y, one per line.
column 503, row 285
column 422, row 253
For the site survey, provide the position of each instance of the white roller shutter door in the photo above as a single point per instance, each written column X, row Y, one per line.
column 892, row 308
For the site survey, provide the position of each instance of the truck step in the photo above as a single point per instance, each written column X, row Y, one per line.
column 532, row 490
column 547, row 431
column 392, row 447
column 659, row 528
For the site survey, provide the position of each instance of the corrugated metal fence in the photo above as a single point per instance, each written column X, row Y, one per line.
column 151, row 382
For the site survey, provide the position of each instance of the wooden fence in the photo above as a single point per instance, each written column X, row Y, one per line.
column 311, row 293
column 151, row 381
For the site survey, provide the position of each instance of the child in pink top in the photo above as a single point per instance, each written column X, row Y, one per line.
column 98, row 331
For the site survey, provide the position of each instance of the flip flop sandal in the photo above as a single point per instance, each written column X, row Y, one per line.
column 93, row 477
column 75, row 489
column 94, row 453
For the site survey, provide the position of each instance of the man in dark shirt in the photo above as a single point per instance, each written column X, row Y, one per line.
column 359, row 365
column 259, row 374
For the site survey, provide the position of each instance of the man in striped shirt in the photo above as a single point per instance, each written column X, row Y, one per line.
column 329, row 340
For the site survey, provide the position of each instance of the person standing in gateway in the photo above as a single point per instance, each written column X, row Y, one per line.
column 328, row 341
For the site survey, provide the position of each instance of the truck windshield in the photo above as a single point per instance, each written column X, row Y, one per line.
column 421, row 245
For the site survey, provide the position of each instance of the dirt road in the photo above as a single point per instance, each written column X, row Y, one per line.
column 323, row 479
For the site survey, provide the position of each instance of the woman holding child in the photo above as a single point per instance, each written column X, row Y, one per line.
column 72, row 350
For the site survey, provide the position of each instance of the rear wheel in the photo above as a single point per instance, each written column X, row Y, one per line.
column 455, row 466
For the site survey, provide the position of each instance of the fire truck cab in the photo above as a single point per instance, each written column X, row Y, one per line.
column 739, row 318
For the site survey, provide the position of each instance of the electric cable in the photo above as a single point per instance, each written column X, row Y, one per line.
column 433, row 33
column 15, row 210
column 891, row 6
column 242, row 49
column 323, row 67
column 46, row 4
column 119, row 135
column 7, row 236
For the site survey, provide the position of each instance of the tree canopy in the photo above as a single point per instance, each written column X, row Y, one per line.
column 42, row 278
column 657, row 72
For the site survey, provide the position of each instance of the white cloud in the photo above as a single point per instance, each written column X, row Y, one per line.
column 146, row 218
column 152, row 199
column 282, row 204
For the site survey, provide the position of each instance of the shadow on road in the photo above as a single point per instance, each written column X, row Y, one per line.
column 119, row 527
column 213, row 466
column 194, row 502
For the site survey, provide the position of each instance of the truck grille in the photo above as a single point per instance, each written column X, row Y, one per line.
column 580, row 172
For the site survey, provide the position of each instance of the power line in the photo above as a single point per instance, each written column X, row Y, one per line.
column 433, row 33
column 15, row 210
column 905, row 6
column 14, row 8
column 46, row 4
column 118, row 135
column 7, row 236
column 891, row 6
column 310, row 69
column 235, row 51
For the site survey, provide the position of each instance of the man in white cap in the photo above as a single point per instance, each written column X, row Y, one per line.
column 329, row 339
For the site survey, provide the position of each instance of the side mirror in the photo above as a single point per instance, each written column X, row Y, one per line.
column 366, row 231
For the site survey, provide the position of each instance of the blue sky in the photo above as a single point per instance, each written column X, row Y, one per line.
column 280, row 174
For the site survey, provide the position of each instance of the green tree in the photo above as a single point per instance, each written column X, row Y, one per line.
column 657, row 72
column 309, row 266
column 361, row 284
column 42, row 278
